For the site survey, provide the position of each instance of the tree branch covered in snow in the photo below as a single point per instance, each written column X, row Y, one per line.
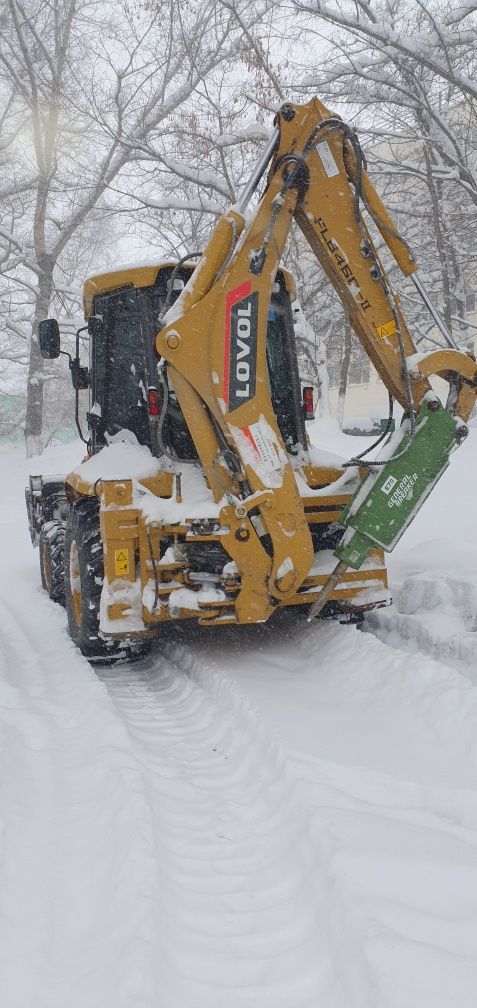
column 386, row 27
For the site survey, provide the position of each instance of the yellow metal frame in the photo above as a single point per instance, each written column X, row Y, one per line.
column 128, row 541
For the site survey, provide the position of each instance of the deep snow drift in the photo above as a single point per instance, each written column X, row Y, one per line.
column 281, row 816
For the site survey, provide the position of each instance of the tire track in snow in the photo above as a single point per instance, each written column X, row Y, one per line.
column 156, row 858
column 77, row 866
column 405, row 858
column 27, row 791
column 433, row 614
column 399, row 801
column 247, row 915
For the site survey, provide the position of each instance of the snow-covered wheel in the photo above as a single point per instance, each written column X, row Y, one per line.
column 83, row 579
column 51, row 544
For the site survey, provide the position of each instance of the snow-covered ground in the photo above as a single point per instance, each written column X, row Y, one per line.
column 277, row 816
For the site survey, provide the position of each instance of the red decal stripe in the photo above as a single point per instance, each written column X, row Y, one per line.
column 232, row 297
column 249, row 436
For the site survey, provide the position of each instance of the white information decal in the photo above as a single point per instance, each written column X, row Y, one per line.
column 265, row 446
column 388, row 485
column 329, row 164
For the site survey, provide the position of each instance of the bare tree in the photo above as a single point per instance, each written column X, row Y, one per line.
column 88, row 88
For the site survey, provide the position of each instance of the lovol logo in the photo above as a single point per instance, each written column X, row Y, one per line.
column 240, row 349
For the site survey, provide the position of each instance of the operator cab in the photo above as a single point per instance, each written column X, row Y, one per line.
column 123, row 309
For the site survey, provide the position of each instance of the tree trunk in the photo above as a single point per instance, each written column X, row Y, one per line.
column 345, row 362
column 323, row 382
column 434, row 196
column 34, row 408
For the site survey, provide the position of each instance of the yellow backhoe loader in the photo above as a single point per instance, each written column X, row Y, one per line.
column 200, row 497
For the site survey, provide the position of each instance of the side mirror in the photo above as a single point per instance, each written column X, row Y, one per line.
column 49, row 336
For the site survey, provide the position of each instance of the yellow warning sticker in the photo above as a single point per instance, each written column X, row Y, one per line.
column 121, row 562
column 388, row 329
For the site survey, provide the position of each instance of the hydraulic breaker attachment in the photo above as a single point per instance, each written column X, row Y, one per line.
column 390, row 496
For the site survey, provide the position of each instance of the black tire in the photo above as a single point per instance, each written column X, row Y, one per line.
column 83, row 580
column 51, row 544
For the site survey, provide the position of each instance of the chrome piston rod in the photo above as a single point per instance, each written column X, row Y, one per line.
column 433, row 311
column 261, row 165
